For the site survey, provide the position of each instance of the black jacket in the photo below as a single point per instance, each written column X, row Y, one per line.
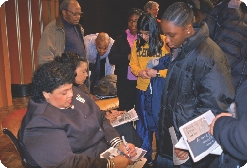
column 118, row 56
column 228, row 28
column 231, row 133
column 198, row 80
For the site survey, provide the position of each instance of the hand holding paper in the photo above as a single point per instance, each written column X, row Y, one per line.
column 197, row 138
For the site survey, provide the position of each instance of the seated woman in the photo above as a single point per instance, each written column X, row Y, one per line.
column 80, row 66
column 63, row 127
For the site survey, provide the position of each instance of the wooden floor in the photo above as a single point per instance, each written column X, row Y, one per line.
column 8, row 154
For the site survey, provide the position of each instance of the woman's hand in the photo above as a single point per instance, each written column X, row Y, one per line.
column 151, row 72
column 113, row 114
column 143, row 74
column 129, row 150
column 181, row 154
column 121, row 161
column 211, row 130
column 129, row 56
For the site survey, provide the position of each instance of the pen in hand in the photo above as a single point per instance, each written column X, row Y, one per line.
column 125, row 144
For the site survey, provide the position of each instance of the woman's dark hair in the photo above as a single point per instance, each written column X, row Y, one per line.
column 72, row 58
column 147, row 22
column 179, row 13
column 50, row 76
column 134, row 11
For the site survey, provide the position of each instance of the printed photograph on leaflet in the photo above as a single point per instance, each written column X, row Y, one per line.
column 138, row 160
column 129, row 116
column 195, row 133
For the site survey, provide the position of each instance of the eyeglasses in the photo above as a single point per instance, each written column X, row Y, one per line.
column 75, row 13
column 132, row 21
column 142, row 34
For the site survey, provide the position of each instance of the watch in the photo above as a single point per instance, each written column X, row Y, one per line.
column 158, row 73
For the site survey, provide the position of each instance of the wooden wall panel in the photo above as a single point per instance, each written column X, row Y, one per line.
column 16, row 74
column 19, row 38
column 25, row 42
column 36, row 29
column 50, row 11
column 5, row 76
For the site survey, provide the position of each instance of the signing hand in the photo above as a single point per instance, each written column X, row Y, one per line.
column 131, row 149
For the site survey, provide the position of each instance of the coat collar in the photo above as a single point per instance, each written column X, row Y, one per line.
column 195, row 40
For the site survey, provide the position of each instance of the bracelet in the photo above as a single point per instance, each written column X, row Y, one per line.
column 158, row 73
column 108, row 165
column 112, row 164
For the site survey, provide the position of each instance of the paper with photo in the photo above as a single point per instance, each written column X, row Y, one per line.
column 199, row 141
column 129, row 116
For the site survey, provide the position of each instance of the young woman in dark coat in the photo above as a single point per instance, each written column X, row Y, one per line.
column 120, row 56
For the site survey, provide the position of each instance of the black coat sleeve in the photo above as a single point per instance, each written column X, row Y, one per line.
column 231, row 134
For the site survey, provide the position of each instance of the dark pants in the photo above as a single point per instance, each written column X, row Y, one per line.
column 129, row 132
column 126, row 92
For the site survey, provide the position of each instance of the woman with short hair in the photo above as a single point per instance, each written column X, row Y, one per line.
column 63, row 127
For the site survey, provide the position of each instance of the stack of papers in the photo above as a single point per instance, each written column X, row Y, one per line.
column 126, row 117
column 197, row 139
column 138, row 160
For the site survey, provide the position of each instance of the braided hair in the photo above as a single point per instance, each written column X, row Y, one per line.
column 179, row 13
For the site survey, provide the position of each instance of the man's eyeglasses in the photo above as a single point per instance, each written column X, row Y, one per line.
column 75, row 13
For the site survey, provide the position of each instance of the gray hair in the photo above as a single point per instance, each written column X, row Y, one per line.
column 65, row 4
column 149, row 5
column 179, row 13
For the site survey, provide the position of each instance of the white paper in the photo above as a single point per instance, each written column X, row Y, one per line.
column 1, row 165
column 176, row 160
column 129, row 116
column 195, row 133
column 182, row 145
column 138, row 160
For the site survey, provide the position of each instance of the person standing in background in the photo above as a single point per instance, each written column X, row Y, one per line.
column 149, row 45
column 200, row 8
column 120, row 57
column 152, row 7
column 227, row 24
column 98, row 47
column 63, row 34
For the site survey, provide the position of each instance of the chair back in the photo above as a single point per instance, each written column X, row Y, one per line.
column 10, row 126
column 18, row 147
column 14, row 141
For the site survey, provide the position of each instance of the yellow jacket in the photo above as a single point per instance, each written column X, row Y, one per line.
column 139, row 60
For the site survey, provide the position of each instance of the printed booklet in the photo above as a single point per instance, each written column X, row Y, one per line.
column 198, row 140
